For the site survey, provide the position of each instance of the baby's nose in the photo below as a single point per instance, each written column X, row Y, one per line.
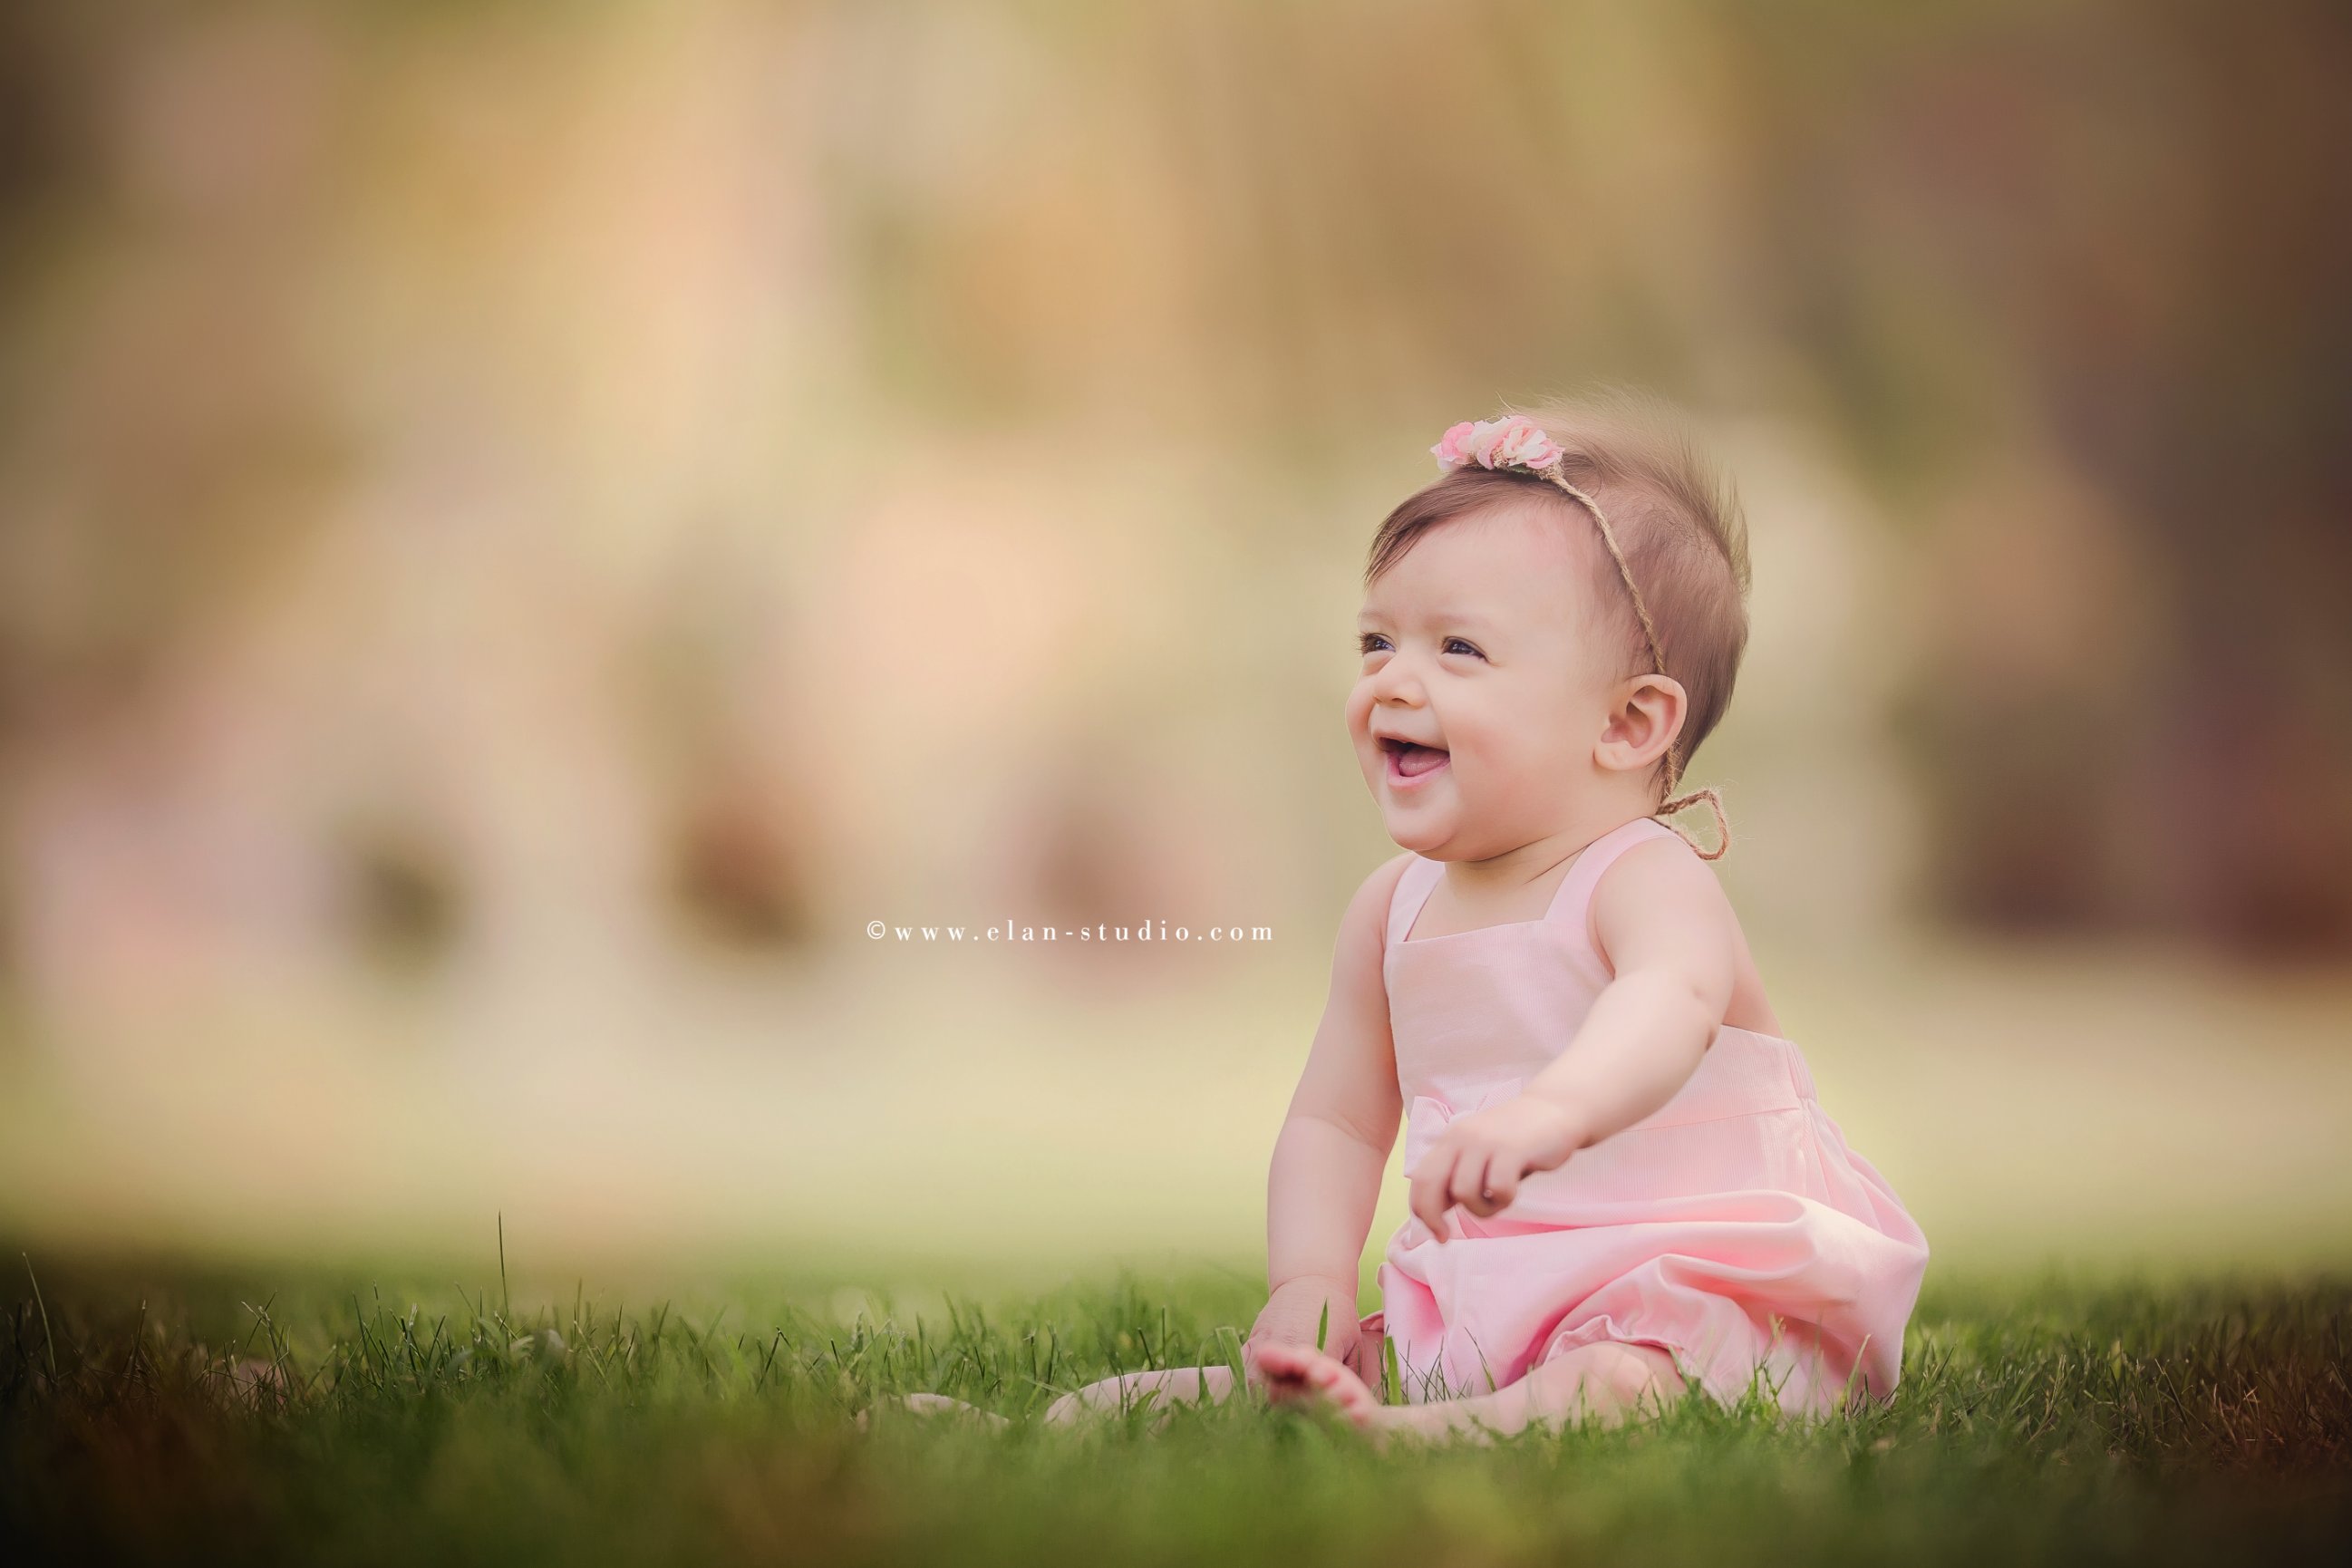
column 1396, row 682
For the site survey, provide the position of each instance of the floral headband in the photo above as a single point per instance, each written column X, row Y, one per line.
column 1516, row 441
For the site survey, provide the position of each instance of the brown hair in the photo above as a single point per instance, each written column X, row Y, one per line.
column 1675, row 520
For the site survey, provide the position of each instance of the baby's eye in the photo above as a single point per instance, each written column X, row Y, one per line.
column 1460, row 645
column 1371, row 642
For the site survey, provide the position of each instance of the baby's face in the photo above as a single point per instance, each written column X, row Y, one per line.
column 1488, row 673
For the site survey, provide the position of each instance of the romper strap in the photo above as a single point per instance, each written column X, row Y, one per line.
column 1572, row 905
column 1575, row 894
column 1420, row 879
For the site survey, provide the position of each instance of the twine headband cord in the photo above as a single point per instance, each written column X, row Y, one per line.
column 1707, row 797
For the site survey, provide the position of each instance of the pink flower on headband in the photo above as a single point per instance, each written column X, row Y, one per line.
column 1453, row 448
column 1518, row 442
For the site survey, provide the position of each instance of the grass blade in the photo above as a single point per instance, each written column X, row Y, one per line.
column 48, row 1337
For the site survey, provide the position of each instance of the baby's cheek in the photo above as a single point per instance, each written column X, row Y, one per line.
column 1480, row 748
column 1522, row 739
column 1496, row 767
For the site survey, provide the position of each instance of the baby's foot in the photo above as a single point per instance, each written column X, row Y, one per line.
column 1302, row 1373
column 937, row 1405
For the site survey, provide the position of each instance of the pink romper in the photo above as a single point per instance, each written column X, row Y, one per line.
column 1733, row 1227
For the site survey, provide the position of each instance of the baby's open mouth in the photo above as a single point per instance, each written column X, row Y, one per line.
column 1409, row 760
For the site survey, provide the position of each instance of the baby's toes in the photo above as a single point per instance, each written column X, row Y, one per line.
column 1294, row 1372
column 1346, row 1390
column 1284, row 1368
column 1328, row 1374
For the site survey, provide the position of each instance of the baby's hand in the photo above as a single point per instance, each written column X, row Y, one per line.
column 1479, row 1161
column 1295, row 1312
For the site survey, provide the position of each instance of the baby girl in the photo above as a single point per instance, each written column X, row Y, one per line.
column 1622, row 1186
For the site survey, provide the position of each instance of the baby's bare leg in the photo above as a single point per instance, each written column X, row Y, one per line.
column 936, row 1405
column 1140, row 1389
column 1186, row 1385
column 1162, row 1388
column 1606, row 1381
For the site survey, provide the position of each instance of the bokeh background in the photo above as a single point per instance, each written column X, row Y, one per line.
column 524, row 527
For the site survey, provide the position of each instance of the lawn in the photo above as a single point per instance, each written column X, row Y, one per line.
column 172, row 1414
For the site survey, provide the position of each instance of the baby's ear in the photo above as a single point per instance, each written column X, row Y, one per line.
column 1647, row 716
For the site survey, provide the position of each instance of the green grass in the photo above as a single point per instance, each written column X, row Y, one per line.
column 153, row 1414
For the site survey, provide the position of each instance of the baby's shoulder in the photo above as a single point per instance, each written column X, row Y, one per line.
column 1388, row 873
column 1367, row 912
column 1662, row 899
column 1379, row 889
column 1660, row 866
column 1661, row 880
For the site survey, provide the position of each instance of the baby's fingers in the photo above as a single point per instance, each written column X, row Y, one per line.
column 1499, row 1185
column 1430, row 1184
column 1469, row 1184
column 1503, row 1174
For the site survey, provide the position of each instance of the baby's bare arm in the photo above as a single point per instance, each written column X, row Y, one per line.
column 1668, row 933
column 1325, row 1177
column 1672, row 940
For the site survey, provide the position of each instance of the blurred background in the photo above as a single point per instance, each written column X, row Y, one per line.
column 524, row 527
